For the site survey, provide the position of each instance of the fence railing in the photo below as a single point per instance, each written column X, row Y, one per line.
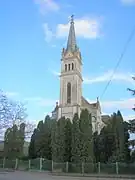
column 68, row 167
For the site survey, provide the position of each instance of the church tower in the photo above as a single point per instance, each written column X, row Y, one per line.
column 70, row 77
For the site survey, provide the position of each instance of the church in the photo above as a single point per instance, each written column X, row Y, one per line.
column 71, row 100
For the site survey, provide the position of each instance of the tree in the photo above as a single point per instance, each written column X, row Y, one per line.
column 126, row 142
column 4, row 111
column 75, row 143
column 68, row 140
column 132, row 91
column 7, row 139
column 104, row 144
column 47, row 138
column 112, row 143
column 12, row 112
column 86, row 138
column 95, row 147
column 21, row 134
column 131, row 126
column 14, row 141
column 39, row 140
column 60, row 139
column 32, row 146
column 54, row 136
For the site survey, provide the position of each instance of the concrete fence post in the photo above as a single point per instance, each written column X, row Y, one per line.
column 66, row 167
column 117, row 168
column 40, row 164
column 52, row 165
column 4, row 160
column 99, row 170
column 29, row 163
column 82, row 167
column 16, row 164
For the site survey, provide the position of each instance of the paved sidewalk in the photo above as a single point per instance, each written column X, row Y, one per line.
column 45, row 176
column 37, row 175
column 94, row 175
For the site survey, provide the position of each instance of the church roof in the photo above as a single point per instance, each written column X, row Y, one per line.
column 85, row 102
column 71, row 44
column 105, row 118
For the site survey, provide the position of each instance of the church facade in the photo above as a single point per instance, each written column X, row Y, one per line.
column 71, row 100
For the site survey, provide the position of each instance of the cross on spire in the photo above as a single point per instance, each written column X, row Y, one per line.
column 72, row 18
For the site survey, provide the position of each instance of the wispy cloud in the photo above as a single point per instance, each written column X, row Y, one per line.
column 85, row 27
column 128, row 2
column 41, row 101
column 55, row 73
column 109, row 106
column 11, row 94
column 104, row 77
column 47, row 102
column 48, row 33
column 129, row 117
column 33, row 99
column 123, row 77
column 119, row 104
column 46, row 6
column 106, row 106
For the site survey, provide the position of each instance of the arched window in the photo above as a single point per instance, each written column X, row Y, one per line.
column 69, row 93
column 72, row 66
column 69, row 67
column 65, row 67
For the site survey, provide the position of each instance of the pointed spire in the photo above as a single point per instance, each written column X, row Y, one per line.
column 71, row 44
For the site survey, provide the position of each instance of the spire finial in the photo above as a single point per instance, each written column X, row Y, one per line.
column 72, row 18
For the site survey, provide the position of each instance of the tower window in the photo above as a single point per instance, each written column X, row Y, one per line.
column 65, row 67
column 69, row 67
column 69, row 93
column 72, row 66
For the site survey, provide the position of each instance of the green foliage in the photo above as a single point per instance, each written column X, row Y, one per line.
column 86, row 139
column 54, row 140
column 68, row 140
column 39, row 141
column 131, row 126
column 47, row 138
column 65, row 140
column 133, row 157
column 32, row 147
column 60, row 139
column 112, row 143
column 14, row 141
column 75, row 143
column 40, row 145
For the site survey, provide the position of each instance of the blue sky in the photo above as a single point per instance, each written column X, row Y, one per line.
column 32, row 35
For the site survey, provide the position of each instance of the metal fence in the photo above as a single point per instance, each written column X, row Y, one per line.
column 67, row 167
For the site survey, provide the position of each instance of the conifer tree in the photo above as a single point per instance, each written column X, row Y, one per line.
column 32, row 145
column 46, row 144
column 61, row 139
column 86, row 137
column 54, row 136
column 75, row 143
column 39, row 139
column 58, row 140
column 68, row 140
